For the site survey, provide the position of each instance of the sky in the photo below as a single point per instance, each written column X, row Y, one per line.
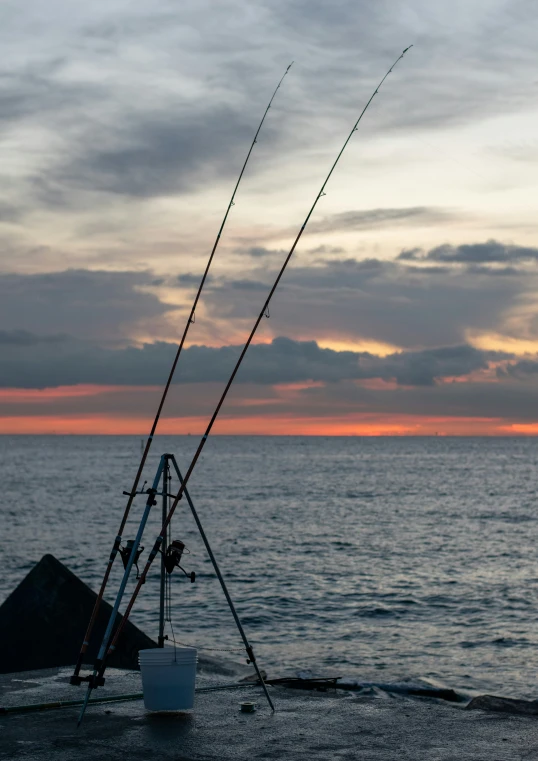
column 410, row 306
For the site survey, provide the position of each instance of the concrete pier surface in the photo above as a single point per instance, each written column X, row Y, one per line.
column 306, row 725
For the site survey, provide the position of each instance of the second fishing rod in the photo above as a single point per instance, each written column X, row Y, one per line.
column 100, row 664
column 76, row 679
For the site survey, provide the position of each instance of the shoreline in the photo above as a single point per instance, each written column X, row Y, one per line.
column 339, row 724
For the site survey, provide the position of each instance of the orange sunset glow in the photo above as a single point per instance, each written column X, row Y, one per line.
column 353, row 425
column 302, row 408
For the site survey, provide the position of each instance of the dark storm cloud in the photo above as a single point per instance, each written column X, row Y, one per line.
column 100, row 305
column 508, row 399
column 491, row 252
column 22, row 338
column 525, row 369
column 32, row 362
column 425, row 367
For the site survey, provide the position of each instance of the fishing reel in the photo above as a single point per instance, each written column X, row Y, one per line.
column 172, row 558
column 125, row 553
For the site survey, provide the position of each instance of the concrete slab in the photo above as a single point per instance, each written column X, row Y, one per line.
column 330, row 725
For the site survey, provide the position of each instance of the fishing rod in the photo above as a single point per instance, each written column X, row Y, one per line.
column 76, row 679
column 100, row 664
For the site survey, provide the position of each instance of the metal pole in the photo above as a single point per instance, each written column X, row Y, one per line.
column 94, row 678
column 166, row 481
column 248, row 646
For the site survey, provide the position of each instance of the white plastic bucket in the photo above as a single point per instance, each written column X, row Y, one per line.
column 168, row 677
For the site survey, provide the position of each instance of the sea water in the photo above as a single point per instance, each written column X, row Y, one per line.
column 381, row 558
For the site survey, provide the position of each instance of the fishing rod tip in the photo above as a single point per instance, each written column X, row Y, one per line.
column 408, row 48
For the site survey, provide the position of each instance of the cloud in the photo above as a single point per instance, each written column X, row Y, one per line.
column 9, row 212
column 426, row 367
column 248, row 285
column 372, row 219
column 155, row 154
column 22, row 338
column 462, row 61
column 408, row 304
column 190, row 280
column 31, row 361
column 123, row 130
column 525, row 369
column 259, row 252
column 158, row 100
column 390, row 302
column 495, row 401
column 285, row 379
column 491, row 252
column 37, row 88
column 97, row 305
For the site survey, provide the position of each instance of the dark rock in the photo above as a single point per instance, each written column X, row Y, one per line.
column 503, row 705
column 43, row 622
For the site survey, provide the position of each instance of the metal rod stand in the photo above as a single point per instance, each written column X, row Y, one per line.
column 162, row 601
column 164, row 471
column 251, row 658
column 95, row 679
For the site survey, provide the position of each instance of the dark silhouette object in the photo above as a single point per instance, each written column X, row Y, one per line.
column 43, row 620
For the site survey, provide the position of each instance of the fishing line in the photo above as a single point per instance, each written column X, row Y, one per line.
column 176, row 641
column 76, row 679
column 100, row 664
